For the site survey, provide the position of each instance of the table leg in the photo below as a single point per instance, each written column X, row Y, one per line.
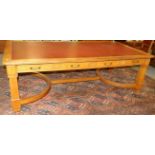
column 13, row 82
column 141, row 74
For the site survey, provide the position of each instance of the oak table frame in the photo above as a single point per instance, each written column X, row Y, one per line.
column 35, row 66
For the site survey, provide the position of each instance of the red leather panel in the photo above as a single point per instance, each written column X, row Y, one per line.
column 34, row 50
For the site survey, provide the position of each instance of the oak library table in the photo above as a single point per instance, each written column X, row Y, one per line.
column 37, row 56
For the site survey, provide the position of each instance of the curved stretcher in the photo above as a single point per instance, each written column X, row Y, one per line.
column 42, row 93
column 49, row 82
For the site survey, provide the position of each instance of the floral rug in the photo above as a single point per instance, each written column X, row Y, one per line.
column 84, row 98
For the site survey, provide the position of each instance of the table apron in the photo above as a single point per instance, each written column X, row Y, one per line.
column 78, row 66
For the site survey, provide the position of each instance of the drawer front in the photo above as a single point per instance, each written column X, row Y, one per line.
column 78, row 66
column 53, row 67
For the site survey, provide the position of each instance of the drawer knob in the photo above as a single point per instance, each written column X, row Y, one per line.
column 75, row 66
column 35, row 68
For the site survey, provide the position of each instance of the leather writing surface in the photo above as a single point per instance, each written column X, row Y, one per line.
column 37, row 50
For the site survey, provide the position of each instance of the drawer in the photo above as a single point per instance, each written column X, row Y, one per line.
column 55, row 67
column 77, row 66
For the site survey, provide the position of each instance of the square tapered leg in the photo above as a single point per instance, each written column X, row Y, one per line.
column 14, row 91
column 141, row 74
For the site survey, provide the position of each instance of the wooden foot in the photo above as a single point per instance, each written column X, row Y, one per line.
column 16, row 106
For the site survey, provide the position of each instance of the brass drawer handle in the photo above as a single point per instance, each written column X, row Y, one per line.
column 75, row 66
column 35, row 68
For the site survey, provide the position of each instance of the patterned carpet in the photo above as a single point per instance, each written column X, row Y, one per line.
column 87, row 98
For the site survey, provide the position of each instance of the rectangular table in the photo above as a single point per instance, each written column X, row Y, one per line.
column 37, row 56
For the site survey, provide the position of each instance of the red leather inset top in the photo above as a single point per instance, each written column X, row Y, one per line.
column 37, row 50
